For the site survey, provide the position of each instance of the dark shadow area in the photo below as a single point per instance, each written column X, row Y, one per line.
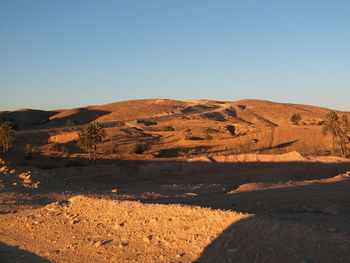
column 10, row 254
column 256, row 239
column 80, row 117
column 196, row 108
column 231, row 129
column 214, row 116
column 147, row 122
column 176, row 152
column 27, row 118
column 21, row 201
column 279, row 146
column 195, row 138
column 203, row 172
column 37, row 139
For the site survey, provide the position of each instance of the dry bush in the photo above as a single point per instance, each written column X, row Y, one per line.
column 188, row 134
column 140, row 148
column 29, row 151
column 208, row 137
column 168, row 128
column 207, row 134
column 110, row 149
column 295, row 118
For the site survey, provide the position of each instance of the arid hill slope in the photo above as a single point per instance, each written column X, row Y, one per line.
column 250, row 110
column 245, row 126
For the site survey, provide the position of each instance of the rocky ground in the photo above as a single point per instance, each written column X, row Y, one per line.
column 83, row 229
column 238, row 212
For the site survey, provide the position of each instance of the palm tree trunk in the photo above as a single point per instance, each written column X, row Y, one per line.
column 343, row 147
column 95, row 154
column 345, row 150
column 4, row 147
column 333, row 144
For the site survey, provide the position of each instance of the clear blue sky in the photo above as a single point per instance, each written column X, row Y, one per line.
column 71, row 53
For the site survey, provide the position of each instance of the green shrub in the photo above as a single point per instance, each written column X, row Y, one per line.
column 208, row 137
column 28, row 151
column 70, row 122
column 188, row 134
column 168, row 128
column 295, row 118
column 207, row 134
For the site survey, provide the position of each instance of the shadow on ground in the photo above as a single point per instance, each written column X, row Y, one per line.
column 259, row 240
column 9, row 254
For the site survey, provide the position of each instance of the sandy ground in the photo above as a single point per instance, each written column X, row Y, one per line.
column 96, row 230
column 263, row 212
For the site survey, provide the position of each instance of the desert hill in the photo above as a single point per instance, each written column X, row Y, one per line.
column 254, row 111
column 245, row 126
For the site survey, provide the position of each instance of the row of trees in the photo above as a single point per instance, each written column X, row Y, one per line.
column 339, row 129
column 88, row 139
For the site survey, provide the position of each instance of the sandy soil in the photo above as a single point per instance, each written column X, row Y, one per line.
column 236, row 216
column 96, row 230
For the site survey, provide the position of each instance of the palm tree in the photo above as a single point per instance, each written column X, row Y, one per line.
column 84, row 141
column 7, row 136
column 332, row 126
column 345, row 129
column 90, row 136
column 97, row 134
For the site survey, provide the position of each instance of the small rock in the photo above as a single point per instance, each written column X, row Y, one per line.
column 98, row 244
column 147, row 239
column 232, row 250
column 332, row 229
column 332, row 210
column 191, row 194
column 124, row 244
column 119, row 225
column 74, row 221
